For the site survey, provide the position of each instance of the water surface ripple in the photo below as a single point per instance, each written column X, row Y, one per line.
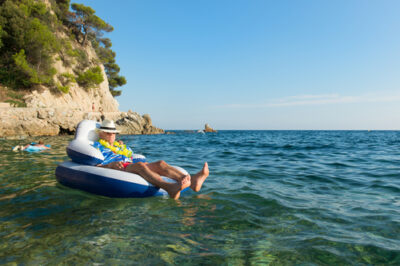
column 273, row 197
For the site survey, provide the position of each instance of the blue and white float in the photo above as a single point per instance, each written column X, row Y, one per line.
column 33, row 148
column 81, row 173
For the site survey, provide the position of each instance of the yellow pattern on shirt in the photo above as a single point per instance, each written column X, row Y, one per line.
column 116, row 148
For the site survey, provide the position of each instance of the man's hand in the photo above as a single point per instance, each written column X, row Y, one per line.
column 114, row 165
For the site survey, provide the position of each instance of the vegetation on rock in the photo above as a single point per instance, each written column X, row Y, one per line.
column 33, row 36
column 14, row 98
column 90, row 78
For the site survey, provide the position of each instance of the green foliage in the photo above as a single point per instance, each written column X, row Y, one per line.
column 74, row 53
column 42, row 42
column 1, row 35
column 87, row 23
column 92, row 28
column 15, row 98
column 107, row 57
column 106, row 42
column 32, row 76
column 91, row 78
column 63, row 89
column 29, row 44
column 114, row 79
column 83, row 60
column 33, row 8
column 115, row 92
column 61, row 9
column 15, row 95
column 16, row 103
column 67, row 53
column 37, row 9
column 13, row 21
column 66, row 79
column 23, row 67
column 82, row 11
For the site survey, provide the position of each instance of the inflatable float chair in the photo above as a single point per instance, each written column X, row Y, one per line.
column 82, row 173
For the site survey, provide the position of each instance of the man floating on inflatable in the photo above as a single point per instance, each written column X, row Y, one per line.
column 119, row 157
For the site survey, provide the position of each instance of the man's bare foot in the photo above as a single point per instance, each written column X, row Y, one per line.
column 198, row 179
column 174, row 190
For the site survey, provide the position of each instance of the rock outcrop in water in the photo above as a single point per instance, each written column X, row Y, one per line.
column 207, row 128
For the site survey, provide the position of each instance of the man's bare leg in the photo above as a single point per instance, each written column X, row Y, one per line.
column 198, row 179
column 164, row 169
column 173, row 189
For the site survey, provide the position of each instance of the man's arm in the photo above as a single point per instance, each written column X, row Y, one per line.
column 113, row 165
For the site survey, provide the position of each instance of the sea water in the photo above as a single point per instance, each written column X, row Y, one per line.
column 272, row 197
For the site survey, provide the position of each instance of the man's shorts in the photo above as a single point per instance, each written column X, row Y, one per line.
column 133, row 161
column 125, row 165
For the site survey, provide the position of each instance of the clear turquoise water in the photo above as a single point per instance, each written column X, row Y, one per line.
column 278, row 197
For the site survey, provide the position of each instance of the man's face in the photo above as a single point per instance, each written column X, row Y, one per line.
column 109, row 137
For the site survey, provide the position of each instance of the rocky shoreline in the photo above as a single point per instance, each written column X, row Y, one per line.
column 31, row 121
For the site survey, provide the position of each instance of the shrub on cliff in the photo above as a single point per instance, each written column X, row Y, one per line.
column 66, row 79
column 13, row 98
column 90, row 78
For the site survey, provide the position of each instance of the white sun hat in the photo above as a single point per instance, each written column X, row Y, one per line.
column 108, row 126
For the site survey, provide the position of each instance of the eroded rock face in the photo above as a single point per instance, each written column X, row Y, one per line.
column 133, row 122
column 207, row 128
column 77, row 98
column 18, row 122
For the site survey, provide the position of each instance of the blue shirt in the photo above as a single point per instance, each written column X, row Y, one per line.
column 110, row 156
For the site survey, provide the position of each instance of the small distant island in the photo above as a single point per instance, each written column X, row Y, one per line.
column 57, row 68
column 207, row 128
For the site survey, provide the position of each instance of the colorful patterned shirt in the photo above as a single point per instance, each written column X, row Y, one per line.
column 110, row 156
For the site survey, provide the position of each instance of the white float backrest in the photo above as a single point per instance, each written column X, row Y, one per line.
column 86, row 131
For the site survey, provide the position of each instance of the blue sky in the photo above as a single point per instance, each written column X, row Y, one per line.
column 250, row 64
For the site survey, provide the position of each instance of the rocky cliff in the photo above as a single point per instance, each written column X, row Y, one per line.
column 77, row 98
column 21, row 122
column 58, row 108
column 50, row 112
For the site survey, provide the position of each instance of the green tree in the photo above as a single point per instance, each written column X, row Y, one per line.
column 92, row 28
column 114, row 80
column 61, row 8
column 42, row 44
column 87, row 22
column 107, row 57
column 23, row 67
column 1, row 36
